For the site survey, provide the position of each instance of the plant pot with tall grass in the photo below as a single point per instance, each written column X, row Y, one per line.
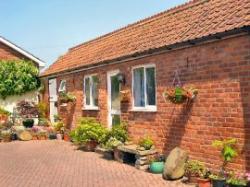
column 88, row 133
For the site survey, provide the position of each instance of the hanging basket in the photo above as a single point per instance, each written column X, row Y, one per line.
column 179, row 95
column 124, row 95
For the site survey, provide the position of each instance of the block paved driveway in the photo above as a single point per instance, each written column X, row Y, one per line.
column 58, row 164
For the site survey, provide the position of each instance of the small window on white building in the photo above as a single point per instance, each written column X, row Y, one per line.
column 62, row 86
column 91, row 92
column 144, row 88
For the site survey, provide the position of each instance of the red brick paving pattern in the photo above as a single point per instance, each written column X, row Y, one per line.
column 58, row 164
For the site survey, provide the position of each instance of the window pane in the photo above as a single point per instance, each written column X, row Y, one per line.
column 62, row 87
column 95, row 90
column 150, row 86
column 87, row 91
column 138, row 87
column 116, row 120
column 115, row 93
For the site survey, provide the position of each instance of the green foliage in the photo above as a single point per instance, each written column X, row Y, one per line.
column 65, row 97
column 146, row 142
column 17, row 77
column 112, row 143
column 4, row 112
column 59, row 126
column 28, row 123
column 119, row 132
column 42, row 109
column 238, row 180
column 195, row 168
column 88, row 129
column 228, row 151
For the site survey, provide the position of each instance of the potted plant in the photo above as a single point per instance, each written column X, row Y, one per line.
column 237, row 180
column 157, row 164
column 228, row 152
column 115, row 137
column 193, row 169
column 42, row 135
column 6, row 135
column 145, row 143
column 204, row 180
column 110, row 145
column 28, row 123
column 59, row 129
column 88, row 133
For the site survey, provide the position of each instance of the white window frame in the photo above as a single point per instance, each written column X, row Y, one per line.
column 61, row 88
column 91, row 106
column 146, row 108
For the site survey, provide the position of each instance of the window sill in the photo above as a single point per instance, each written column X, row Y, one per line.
column 91, row 108
column 143, row 110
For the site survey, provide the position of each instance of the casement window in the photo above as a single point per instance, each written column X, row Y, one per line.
column 62, row 86
column 91, row 92
column 144, row 88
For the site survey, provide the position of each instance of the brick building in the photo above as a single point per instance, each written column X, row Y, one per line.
column 204, row 43
column 10, row 51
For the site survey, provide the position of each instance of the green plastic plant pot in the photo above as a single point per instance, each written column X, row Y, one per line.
column 156, row 167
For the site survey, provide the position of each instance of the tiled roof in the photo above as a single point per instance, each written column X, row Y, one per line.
column 195, row 19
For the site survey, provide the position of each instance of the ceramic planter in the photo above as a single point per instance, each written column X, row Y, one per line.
column 192, row 179
column 109, row 155
column 91, row 145
column 59, row 136
column 204, row 182
column 156, row 167
column 219, row 183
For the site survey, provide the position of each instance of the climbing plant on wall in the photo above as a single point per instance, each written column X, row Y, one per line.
column 17, row 77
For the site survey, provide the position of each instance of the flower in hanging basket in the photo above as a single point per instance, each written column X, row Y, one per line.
column 66, row 97
column 180, row 94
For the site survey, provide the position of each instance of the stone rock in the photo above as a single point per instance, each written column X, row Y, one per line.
column 174, row 165
column 141, row 162
column 142, row 167
column 25, row 136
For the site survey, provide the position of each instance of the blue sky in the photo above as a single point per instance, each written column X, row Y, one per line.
column 47, row 28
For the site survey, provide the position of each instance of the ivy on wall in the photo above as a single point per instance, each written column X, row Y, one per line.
column 17, row 77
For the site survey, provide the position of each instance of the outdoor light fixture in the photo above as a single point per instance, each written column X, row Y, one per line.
column 121, row 78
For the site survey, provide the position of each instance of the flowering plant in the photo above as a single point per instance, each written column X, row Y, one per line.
column 239, row 179
column 180, row 94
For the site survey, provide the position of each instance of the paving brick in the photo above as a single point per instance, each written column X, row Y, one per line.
column 59, row 164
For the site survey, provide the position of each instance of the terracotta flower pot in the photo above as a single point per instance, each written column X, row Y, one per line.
column 192, row 179
column 34, row 138
column 204, row 182
column 91, row 145
column 6, row 139
column 66, row 137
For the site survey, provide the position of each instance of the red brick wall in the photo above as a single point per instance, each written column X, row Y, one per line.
column 221, row 72
column 6, row 53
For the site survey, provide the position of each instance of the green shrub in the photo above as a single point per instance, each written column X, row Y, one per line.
column 146, row 142
column 88, row 129
column 17, row 77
